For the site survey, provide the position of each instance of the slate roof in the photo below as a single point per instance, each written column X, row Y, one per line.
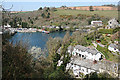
column 70, row 47
column 113, row 46
column 93, row 51
column 59, row 50
column 89, row 50
column 82, row 48
column 105, row 65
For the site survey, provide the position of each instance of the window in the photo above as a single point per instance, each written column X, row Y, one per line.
column 76, row 76
column 76, row 53
column 82, row 55
column 75, row 65
column 87, row 70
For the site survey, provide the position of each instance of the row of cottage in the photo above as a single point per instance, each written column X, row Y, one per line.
column 86, row 53
column 86, row 60
column 85, row 66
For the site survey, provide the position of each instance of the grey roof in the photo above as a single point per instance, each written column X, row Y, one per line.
column 105, row 65
column 59, row 50
column 93, row 51
column 89, row 50
column 70, row 47
column 82, row 48
column 113, row 45
column 113, row 21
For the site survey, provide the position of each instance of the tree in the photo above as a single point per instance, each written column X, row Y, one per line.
column 66, row 39
column 43, row 15
column 24, row 24
column 78, row 38
column 53, row 44
column 48, row 16
column 55, row 59
column 17, row 63
column 40, row 8
column 98, row 76
column 91, row 8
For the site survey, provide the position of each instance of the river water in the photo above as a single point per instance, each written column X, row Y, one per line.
column 36, row 39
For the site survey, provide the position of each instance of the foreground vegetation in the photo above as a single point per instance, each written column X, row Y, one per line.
column 18, row 63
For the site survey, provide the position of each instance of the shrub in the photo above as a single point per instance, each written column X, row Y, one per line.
column 106, row 31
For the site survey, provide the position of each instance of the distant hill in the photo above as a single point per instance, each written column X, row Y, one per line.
column 94, row 8
column 59, row 17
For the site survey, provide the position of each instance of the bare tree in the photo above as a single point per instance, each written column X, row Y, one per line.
column 4, row 12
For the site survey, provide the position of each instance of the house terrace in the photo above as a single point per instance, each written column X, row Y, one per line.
column 86, row 53
column 79, row 65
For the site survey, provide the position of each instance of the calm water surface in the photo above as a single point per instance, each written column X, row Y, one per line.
column 36, row 39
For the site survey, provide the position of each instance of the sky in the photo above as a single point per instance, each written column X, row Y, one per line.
column 62, row 0
column 30, row 5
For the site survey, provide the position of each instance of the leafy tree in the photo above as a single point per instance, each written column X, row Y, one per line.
column 47, row 16
column 57, row 75
column 116, row 29
column 78, row 38
column 43, row 15
column 16, row 61
column 98, row 76
column 53, row 45
column 29, row 17
column 66, row 39
column 91, row 8
column 24, row 24
column 31, row 21
column 55, row 59
column 40, row 8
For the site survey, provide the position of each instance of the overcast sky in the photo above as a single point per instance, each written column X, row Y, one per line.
column 60, row 0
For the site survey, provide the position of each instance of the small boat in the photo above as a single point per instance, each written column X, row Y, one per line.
column 43, row 31
column 47, row 32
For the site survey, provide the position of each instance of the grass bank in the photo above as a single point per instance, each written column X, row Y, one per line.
column 109, row 14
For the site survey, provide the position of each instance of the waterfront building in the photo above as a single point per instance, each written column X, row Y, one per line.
column 112, row 24
column 87, row 53
column 85, row 66
column 113, row 47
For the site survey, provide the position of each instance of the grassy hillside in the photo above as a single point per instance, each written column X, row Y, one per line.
column 109, row 14
column 60, row 17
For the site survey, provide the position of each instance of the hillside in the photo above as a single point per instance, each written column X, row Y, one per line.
column 59, row 17
column 95, row 8
column 108, row 13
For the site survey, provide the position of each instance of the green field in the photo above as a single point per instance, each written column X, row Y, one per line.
column 109, row 14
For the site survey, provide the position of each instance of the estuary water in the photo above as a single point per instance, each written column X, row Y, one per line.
column 37, row 39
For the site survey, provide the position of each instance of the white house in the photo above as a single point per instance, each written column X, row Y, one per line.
column 113, row 47
column 78, row 66
column 59, row 63
column 70, row 49
column 7, row 26
column 112, row 24
column 57, row 27
column 98, row 23
column 86, row 53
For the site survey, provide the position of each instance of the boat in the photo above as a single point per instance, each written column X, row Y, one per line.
column 47, row 32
